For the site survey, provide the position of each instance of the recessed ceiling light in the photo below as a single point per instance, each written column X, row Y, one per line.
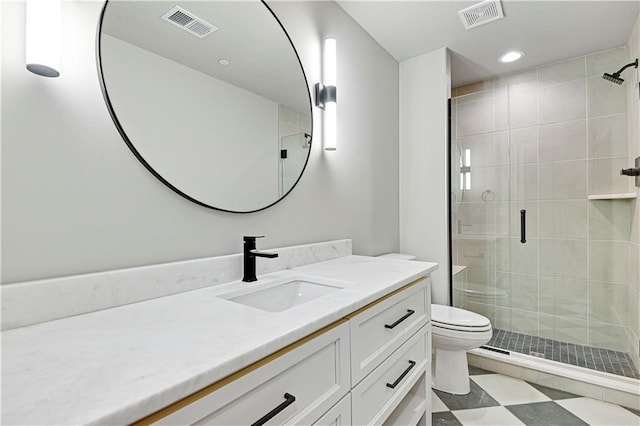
column 224, row 62
column 510, row 57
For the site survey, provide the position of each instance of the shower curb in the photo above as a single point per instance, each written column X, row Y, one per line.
column 581, row 381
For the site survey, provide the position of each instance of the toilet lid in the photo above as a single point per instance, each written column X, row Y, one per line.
column 448, row 315
column 436, row 326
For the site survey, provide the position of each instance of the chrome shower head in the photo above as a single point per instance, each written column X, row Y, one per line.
column 615, row 77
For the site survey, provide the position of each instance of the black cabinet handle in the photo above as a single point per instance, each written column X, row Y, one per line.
column 289, row 399
column 409, row 313
column 523, row 226
column 412, row 364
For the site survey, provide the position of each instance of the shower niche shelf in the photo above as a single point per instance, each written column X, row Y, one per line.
column 623, row 196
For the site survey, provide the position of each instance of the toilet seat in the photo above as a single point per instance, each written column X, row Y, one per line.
column 458, row 319
column 463, row 337
column 475, row 329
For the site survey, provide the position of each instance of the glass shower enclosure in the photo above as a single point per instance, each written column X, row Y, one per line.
column 294, row 151
column 541, row 217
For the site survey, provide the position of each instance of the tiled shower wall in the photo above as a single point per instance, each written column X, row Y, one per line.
column 633, row 98
column 543, row 141
column 291, row 124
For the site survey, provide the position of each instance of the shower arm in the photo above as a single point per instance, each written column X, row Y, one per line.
column 632, row 64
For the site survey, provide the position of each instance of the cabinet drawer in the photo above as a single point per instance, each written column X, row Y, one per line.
column 376, row 397
column 338, row 415
column 316, row 374
column 379, row 330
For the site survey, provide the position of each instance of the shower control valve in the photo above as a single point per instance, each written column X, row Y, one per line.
column 633, row 171
column 630, row 172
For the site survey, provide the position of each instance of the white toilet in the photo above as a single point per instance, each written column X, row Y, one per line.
column 454, row 332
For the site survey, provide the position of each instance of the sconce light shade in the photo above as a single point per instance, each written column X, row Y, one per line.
column 43, row 34
column 326, row 94
column 329, row 71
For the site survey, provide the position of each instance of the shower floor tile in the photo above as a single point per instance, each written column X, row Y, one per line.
column 614, row 362
column 496, row 399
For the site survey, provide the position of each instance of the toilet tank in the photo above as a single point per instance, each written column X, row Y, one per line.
column 398, row 256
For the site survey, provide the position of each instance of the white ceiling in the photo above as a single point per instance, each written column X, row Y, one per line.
column 260, row 54
column 547, row 31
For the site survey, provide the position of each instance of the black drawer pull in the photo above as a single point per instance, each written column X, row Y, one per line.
column 290, row 399
column 412, row 364
column 523, row 226
column 409, row 313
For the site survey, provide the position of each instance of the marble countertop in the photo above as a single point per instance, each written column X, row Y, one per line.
column 119, row 365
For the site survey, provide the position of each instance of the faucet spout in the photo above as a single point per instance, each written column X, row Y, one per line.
column 250, row 254
column 264, row 254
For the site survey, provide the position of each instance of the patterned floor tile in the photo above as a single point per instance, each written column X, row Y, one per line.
column 508, row 390
column 545, row 414
column 475, row 399
column 489, row 416
column 436, row 404
column 445, row 418
column 553, row 393
column 596, row 412
column 496, row 399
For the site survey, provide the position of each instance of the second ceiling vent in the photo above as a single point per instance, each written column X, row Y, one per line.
column 481, row 13
column 188, row 22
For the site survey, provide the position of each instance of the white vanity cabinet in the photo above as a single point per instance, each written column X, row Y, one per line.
column 372, row 367
column 338, row 415
column 379, row 329
column 391, row 359
column 379, row 394
column 296, row 385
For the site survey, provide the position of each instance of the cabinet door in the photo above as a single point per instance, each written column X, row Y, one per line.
column 381, row 392
column 376, row 332
column 296, row 387
column 415, row 407
column 338, row 415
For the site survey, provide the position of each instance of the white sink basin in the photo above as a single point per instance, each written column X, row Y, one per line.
column 282, row 294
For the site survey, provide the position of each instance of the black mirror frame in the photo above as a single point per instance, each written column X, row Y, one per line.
column 158, row 176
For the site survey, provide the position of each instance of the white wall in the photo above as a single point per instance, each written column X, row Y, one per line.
column 424, row 89
column 75, row 200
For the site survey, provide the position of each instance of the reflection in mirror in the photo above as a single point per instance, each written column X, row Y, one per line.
column 210, row 96
column 294, row 149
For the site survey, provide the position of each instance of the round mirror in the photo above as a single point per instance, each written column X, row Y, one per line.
column 210, row 96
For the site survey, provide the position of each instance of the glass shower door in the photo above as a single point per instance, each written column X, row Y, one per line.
column 532, row 251
column 294, row 151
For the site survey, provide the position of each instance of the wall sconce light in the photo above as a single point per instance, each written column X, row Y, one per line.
column 43, row 28
column 326, row 95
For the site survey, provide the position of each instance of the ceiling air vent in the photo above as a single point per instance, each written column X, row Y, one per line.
column 481, row 13
column 188, row 22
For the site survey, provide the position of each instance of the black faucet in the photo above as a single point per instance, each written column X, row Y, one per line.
column 250, row 254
